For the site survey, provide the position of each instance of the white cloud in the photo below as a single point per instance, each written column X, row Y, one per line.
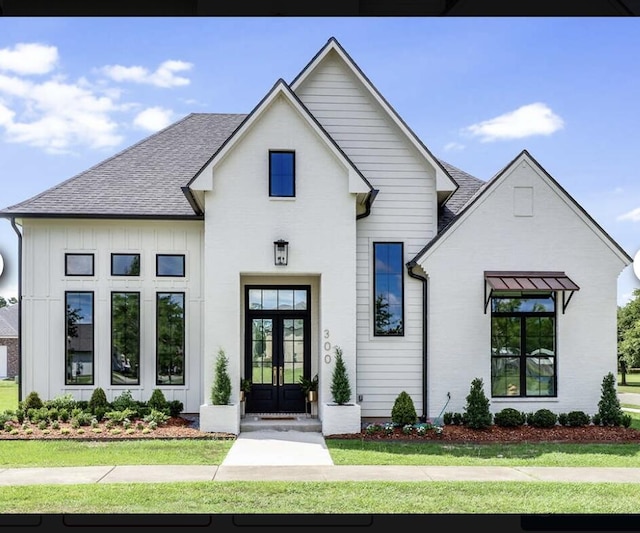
column 526, row 121
column 56, row 115
column 60, row 115
column 453, row 147
column 29, row 58
column 153, row 118
column 633, row 215
column 164, row 76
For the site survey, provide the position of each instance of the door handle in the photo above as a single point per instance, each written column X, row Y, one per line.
column 281, row 375
column 274, row 376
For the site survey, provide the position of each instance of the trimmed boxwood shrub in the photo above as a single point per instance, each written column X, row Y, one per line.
column 175, row 408
column 403, row 411
column 574, row 419
column 509, row 418
column 543, row 418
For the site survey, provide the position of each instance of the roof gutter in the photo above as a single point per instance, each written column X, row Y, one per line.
column 20, row 336
column 410, row 266
column 368, row 203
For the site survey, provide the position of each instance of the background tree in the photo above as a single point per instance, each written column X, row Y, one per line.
column 4, row 302
column 629, row 335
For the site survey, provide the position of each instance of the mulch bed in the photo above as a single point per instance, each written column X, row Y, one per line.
column 182, row 428
column 524, row 434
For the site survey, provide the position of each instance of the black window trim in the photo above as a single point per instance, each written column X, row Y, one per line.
column 113, row 254
column 388, row 335
column 93, row 264
column 93, row 339
column 184, row 340
column 293, row 153
column 523, row 315
column 111, row 337
column 184, row 266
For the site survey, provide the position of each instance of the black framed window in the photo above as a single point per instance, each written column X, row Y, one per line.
column 523, row 346
column 388, row 288
column 78, row 265
column 125, row 338
column 125, row 264
column 170, row 328
column 282, row 175
column 79, row 338
column 170, row 265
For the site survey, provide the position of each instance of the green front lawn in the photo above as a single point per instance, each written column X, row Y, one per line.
column 354, row 497
column 8, row 395
column 633, row 383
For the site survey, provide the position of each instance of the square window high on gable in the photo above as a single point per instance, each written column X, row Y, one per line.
column 282, row 180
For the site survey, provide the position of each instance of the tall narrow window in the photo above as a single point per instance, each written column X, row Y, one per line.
column 282, row 176
column 170, row 338
column 523, row 346
column 125, row 338
column 388, row 288
column 79, row 347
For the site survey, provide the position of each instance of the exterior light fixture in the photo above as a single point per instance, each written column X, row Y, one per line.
column 280, row 252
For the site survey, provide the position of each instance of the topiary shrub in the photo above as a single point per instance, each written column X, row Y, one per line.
column 577, row 419
column 403, row 411
column 477, row 414
column 157, row 401
column 509, row 418
column 98, row 400
column 32, row 401
column 340, row 387
column 609, row 409
column 543, row 418
column 221, row 388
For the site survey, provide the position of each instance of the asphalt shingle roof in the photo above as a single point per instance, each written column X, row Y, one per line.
column 146, row 178
column 9, row 321
column 142, row 180
column 468, row 187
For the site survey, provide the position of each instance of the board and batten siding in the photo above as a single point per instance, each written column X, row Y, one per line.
column 43, row 296
column 405, row 210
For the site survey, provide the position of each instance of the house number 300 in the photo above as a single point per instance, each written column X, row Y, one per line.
column 327, row 347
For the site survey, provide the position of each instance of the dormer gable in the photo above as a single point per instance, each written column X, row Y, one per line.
column 204, row 178
column 445, row 184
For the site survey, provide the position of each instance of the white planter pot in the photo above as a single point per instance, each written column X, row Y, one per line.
column 341, row 419
column 220, row 418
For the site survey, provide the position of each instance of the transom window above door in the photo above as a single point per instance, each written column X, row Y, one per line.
column 278, row 299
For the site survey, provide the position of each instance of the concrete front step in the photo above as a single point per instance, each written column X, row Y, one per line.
column 279, row 422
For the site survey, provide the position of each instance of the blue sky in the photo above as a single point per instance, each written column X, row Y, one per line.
column 477, row 91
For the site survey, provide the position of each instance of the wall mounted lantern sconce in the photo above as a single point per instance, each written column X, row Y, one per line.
column 280, row 252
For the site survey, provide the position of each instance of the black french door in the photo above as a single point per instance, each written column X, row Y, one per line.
column 277, row 348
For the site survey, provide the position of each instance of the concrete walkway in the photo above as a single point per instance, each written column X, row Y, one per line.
column 175, row 473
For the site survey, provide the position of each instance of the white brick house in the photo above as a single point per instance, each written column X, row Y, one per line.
column 137, row 271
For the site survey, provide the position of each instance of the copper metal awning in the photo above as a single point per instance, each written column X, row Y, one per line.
column 528, row 282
